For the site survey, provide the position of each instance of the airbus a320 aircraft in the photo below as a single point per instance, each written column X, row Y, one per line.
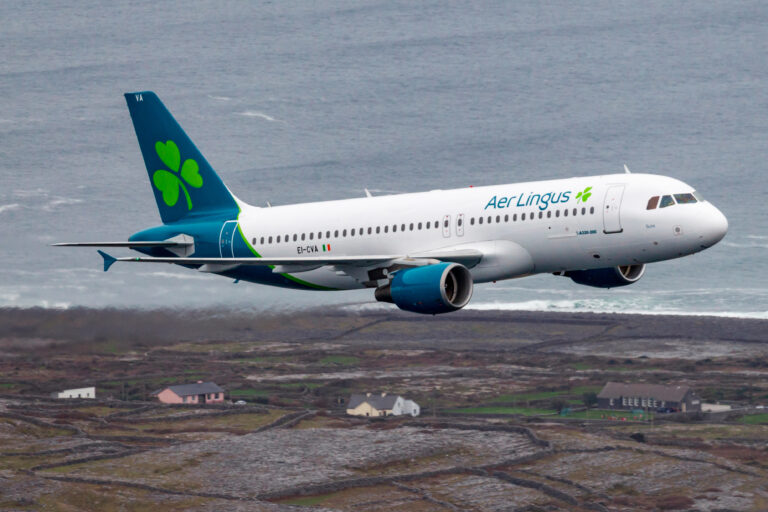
column 423, row 252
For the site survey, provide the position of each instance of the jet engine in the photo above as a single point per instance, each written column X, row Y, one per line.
column 610, row 277
column 431, row 289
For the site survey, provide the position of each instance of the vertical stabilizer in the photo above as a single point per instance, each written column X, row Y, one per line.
column 182, row 180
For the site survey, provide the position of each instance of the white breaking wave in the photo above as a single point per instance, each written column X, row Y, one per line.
column 9, row 207
column 746, row 246
column 591, row 306
column 261, row 115
column 219, row 98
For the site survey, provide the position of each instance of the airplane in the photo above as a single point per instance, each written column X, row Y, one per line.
column 425, row 251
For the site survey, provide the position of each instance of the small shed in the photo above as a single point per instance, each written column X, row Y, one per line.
column 76, row 393
column 617, row 395
column 381, row 404
column 197, row 393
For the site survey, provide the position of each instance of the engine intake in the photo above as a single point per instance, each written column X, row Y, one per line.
column 610, row 277
column 431, row 289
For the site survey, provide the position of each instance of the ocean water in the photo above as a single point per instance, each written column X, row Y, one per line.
column 308, row 101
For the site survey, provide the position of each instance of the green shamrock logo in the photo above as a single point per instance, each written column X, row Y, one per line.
column 169, row 183
column 584, row 195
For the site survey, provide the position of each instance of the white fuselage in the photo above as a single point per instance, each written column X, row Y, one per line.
column 523, row 228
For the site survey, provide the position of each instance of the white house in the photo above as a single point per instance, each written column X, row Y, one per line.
column 76, row 393
column 381, row 404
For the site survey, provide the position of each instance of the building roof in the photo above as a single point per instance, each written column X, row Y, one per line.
column 655, row 391
column 199, row 388
column 379, row 401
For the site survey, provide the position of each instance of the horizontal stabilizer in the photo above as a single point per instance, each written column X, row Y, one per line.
column 166, row 243
column 108, row 260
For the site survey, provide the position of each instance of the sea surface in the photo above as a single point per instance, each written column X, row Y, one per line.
column 310, row 101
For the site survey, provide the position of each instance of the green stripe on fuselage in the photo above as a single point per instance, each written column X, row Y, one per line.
column 287, row 276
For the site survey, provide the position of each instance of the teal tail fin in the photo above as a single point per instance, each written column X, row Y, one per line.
column 183, row 181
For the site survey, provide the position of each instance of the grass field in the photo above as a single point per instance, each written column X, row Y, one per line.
column 526, row 411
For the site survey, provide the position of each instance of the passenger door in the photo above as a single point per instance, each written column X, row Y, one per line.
column 612, row 209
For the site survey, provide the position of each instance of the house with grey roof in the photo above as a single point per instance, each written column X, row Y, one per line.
column 197, row 393
column 381, row 404
column 617, row 395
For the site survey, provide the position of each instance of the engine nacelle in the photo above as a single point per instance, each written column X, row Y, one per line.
column 610, row 277
column 431, row 289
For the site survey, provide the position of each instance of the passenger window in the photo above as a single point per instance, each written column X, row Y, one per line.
column 352, row 233
column 490, row 219
column 303, row 236
column 460, row 221
column 565, row 212
column 394, row 228
column 506, row 218
column 311, row 236
column 278, row 239
column 498, row 219
column 262, row 241
column 410, row 228
column 472, row 221
column 575, row 211
column 327, row 234
column 666, row 201
column 522, row 217
column 445, row 223
column 684, row 198
column 437, row 225
column 557, row 213
column 549, row 213
column 514, row 218
column 378, row 229
column 652, row 203
column 419, row 226
column 427, row 225
column 254, row 242
column 295, row 236
column 336, row 234
column 533, row 216
column 319, row 235
column 362, row 231
column 584, row 211
column 402, row 227
column 343, row 232
column 386, row 229
column 591, row 209
column 480, row 220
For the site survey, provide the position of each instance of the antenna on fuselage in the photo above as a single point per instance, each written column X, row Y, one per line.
column 368, row 193
column 626, row 169
column 269, row 205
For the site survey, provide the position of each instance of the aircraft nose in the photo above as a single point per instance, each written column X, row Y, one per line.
column 716, row 227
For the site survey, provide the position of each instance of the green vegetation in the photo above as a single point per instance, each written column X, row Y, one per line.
column 7, row 385
column 307, row 501
column 300, row 385
column 337, row 359
column 544, row 395
column 596, row 414
column 755, row 419
column 526, row 411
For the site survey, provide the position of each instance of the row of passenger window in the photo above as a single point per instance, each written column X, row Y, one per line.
column 670, row 200
column 532, row 216
column 418, row 226
column 352, row 232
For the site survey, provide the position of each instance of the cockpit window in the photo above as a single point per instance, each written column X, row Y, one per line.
column 684, row 198
column 666, row 201
column 698, row 196
column 653, row 203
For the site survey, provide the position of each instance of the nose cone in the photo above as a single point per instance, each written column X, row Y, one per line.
column 716, row 227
